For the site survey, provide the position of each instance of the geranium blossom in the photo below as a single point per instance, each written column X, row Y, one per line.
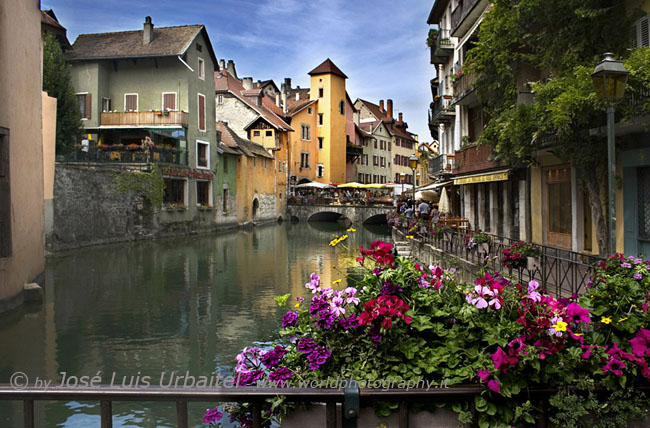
column 533, row 294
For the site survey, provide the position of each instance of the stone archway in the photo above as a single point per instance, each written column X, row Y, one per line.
column 256, row 206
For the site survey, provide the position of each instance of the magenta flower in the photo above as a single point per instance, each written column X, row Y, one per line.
column 484, row 375
column 290, row 319
column 641, row 343
column 532, row 293
column 577, row 313
column 280, row 375
column 314, row 283
column 337, row 307
column 638, row 276
column 212, row 415
column 494, row 386
column 626, row 265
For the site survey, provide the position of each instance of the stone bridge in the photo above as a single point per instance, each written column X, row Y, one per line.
column 357, row 214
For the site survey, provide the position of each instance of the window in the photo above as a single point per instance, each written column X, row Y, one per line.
column 559, row 200
column 174, row 191
column 320, row 170
column 269, row 133
column 320, row 143
column 5, row 195
column 375, row 160
column 130, row 102
column 640, row 32
column 397, row 177
column 320, row 119
column 202, row 154
column 360, row 178
column 201, row 69
column 368, row 179
column 388, row 143
column 342, row 107
column 84, row 105
column 374, row 178
column 320, row 92
column 304, row 132
column 199, row 47
column 203, row 193
column 201, row 110
column 382, row 162
column 219, row 100
column 375, row 143
column 256, row 133
column 169, row 101
column 106, row 105
column 364, row 159
column 304, row 160
column 308, row 110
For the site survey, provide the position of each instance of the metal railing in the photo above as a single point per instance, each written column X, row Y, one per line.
column 122, row 154
column 560, row 272
column 442, row 111
column 350, row 397
column 442, row 163
column 460, row 12
column 311, row 200
column 464, row 85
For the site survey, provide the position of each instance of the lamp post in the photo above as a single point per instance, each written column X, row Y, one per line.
column 402, row 176
column 413, row 163
column 610, row 77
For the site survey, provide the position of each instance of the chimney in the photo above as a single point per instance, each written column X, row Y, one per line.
column 287, row 85
column 400, row 116
column 222, row 64
column 381, row 105
column 148, row 31
column 247, row 82
column 389, row 107
column 231, row 68
column 277, row 100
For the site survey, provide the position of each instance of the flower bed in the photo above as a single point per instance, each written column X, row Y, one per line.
column 406, row 322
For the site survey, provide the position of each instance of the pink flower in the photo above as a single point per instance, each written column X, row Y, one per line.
column 494, row 386
column 532, row 293
column 577, row 313
column 484, row 375
column 640, row 343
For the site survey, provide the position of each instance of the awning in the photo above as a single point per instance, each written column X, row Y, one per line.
column 435, row 185
column 501, row 175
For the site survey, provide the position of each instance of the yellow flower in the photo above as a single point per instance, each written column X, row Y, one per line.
column 297, row 305
column 409, row 236
column 622, row 319
column 578, row 334
column 560, row 326
column 336, row 282
column 606, row 320
column 351, row 230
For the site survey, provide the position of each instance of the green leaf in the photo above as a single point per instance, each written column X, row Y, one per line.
column 282, row 300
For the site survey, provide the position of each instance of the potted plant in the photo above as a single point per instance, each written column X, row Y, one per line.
column 522, row 255
column 432, row 36
column 479, row 241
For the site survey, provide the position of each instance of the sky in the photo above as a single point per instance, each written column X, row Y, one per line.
column 379, row 44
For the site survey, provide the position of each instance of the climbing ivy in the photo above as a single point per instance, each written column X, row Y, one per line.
column 150, row 184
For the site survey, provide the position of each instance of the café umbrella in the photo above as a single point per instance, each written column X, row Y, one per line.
column 443, row 204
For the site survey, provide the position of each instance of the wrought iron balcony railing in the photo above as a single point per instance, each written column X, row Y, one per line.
column 144, row 118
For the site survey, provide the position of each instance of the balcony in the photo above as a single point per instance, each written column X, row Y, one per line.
column 465, row 14
column 131, row 155
column 442, row 164
column 443, row 48
column 442, row 112
column 145, row 118
column 475, row 158
column 464, row 89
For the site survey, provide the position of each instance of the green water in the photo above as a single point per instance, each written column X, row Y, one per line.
column 176, row 305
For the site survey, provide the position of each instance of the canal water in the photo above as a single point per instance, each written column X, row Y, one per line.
column 163, row 308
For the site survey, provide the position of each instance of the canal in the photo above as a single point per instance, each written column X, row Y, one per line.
column 163, row 308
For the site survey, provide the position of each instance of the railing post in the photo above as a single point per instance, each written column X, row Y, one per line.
column 403, row 415
column 351, row 404
column 330, row 415
column 106, row 414
column 28, row 413
column 181, row 414
column 257, row 414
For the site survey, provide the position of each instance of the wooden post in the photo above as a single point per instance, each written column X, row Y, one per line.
column 28, row 413
column 330, row 415
column 107, row 414
column 181, row 414
column 403, row 415
column 257, row 415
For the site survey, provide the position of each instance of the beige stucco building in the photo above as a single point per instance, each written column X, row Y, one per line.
column 21, row 149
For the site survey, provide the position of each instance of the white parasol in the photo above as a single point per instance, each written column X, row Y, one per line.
column 443, row 204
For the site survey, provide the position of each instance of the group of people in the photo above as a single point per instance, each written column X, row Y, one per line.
column 307, row 196
column 420, row 209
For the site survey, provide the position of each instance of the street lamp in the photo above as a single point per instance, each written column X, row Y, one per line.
column 413, row 163
column 610, row 77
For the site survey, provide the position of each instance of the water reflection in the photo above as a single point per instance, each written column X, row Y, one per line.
column 182, row 304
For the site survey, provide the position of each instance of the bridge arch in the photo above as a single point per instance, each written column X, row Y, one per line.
column 376, row 219
column 327, row 216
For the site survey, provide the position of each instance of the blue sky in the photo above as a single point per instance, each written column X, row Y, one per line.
column 378, row 44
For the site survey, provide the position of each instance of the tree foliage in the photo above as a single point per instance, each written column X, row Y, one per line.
column 57, row 83
column 554, row 44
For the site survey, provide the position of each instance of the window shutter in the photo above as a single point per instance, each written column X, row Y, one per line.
column 201, row 112
column 131, row 103
column 88, row 106
column 169, row 101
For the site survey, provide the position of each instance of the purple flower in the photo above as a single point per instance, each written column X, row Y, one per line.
column 349, row 322
column 390, row 289
column 626, row 265
column 212, row 415
column 337, row 307
column 290, row 319
column 532, row 293
column 280, row 375
column 374, row 335
column 325, row 319
column 638, row 261
column 244, row 378
column 638, row 276
column 313, row 284
column 271, row 358
column 377, row 271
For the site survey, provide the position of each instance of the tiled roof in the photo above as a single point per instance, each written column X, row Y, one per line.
column 327, row 67
column 226, row 82
column 167, row 41
column 242, row 145
column 294, row 106
column 374, row 109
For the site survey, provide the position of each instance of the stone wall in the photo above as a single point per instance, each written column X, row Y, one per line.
column 89, row 208
column 267, row 210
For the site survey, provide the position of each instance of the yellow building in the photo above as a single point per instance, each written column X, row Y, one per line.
column 256, row 199
column 318, row 147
